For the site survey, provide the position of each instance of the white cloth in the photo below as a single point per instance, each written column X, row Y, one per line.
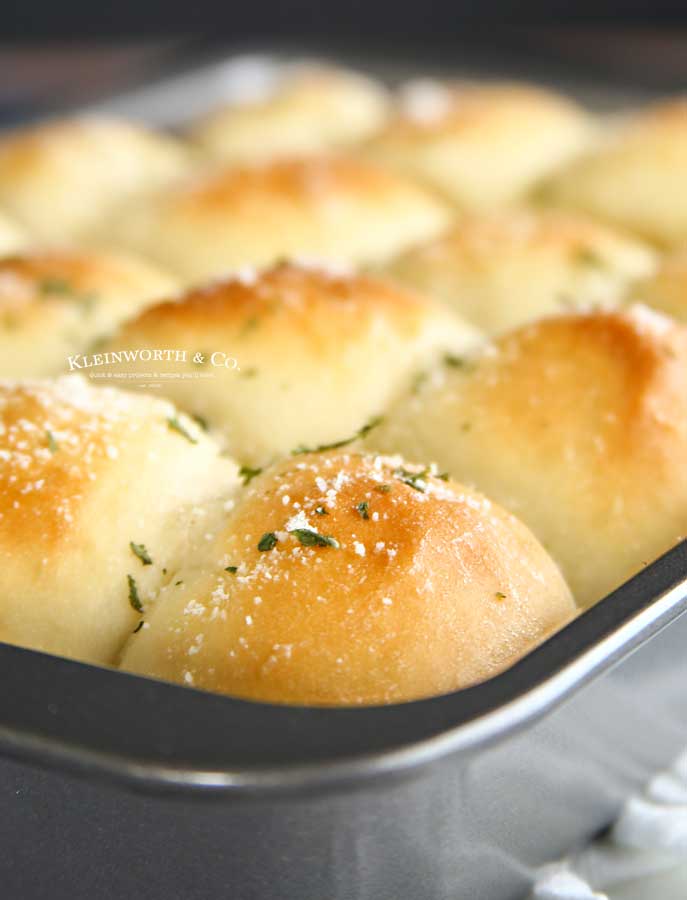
column 644, row 856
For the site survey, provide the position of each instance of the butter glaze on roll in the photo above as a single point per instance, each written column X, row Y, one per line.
column 666, row 289
column 636, row 178
column 501, row 270
column 56, row 303
column 12, row 237
column 307, row 110
column 576, row 424
column 332, row 210
column 84, row 473
column 59, row 179
column 342, row 579
column 482, row 145
column 317, row 354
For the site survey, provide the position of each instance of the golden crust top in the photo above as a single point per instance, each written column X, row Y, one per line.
column 343, row 579
column 331, row 209
column 578, row 424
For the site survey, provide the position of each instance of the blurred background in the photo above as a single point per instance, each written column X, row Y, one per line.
column 59, row 62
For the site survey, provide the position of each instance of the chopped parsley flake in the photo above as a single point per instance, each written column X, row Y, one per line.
column 267, row 541
column 364, row 509
column 53, row 446
column 321, row 511
column 138, row 627
column 134, row 599
column 415, row 480
column 248, row 474
column 454, row 362
column 383, row 488
column 584, row 256
column 55, row 286
column 140, row 551
column 361, row 433
column 312, row 539
column 232, row 569
column 174, row 424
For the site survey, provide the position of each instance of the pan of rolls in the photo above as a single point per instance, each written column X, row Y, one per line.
column 342, row 433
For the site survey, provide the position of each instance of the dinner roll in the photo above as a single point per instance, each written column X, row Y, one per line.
column 636, row 178
column 55, row 303
column 483, row 145
column 504, row 269
column 342, row 579
column 290, row 356
column 100, row 498
column 578, row 425
column 329, row 209
column 12, row 238
column 60, row 178
column 307, row 110
column 666, row 289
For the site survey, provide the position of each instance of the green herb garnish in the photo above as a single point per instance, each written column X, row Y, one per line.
column 140, row 551
column 312, row 539
column 415, row 480
column 364, row 509
column 174, row 424
column 53, row 446
column 232, row 569
column 584, row 256
column 454, row 362
column 267, row 541
column 321, row 511
column 383, row 488
column 134, row 599
column 361, row 433
column 55, row 286
column 138, row 627
column 248, row 474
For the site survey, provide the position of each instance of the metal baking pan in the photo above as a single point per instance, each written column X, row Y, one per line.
column 119, row 787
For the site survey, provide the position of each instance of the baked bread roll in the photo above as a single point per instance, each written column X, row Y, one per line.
column 342, row 579
column 306, row 110
column 57, row 303
column 290, row 356
column 330, row 210
column 12, row 238
column 578, row 425
column 101, row 496
column 504, row 269
column 666, row 289
column 636, row 178
column 482, row 145
column 59, row 179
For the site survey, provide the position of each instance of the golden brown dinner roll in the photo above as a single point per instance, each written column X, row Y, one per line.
column 56, row 303
column 578, row 425
column 483, row 145
column 342, row 579
column 59, row 179
column 333, row 210
column 636, row 178
column 504, row 269
column 306, row 110
column 100, row 498
column 291, row 356
column 12, row 237
column 666, row 289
